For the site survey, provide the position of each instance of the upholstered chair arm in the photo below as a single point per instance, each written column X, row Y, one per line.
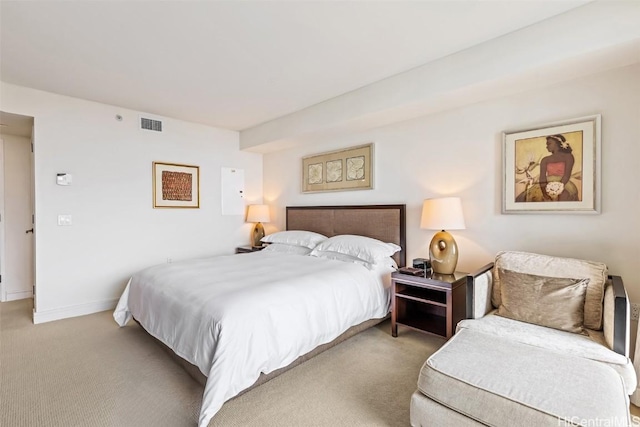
column 479, row 285
column 616, row 316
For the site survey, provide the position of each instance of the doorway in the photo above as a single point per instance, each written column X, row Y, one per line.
column 17, row 279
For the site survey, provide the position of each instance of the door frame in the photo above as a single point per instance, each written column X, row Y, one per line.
column 3, row 287
column 32, row 196
column 3, row 290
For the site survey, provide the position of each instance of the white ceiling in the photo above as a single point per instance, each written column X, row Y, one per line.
column 236, row 64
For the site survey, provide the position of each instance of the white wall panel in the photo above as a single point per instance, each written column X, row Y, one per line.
column 115, row 229
column 459, row 152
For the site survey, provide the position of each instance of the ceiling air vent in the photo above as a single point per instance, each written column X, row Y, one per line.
column 150, row 124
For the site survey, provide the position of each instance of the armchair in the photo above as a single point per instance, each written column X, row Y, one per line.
column 616, row 312
column 606, row 313
column 545, row 342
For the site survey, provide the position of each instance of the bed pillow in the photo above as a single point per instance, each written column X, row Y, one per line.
column 546, row 301
column 386, row 262
column 365, row 248
column 308, row 239
column 287, row 249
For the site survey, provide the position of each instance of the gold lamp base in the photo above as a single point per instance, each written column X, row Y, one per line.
column 258, row 234
column 443, row 252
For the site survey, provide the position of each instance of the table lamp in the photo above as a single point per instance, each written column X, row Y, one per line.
column 258, row 214
column 440, row 214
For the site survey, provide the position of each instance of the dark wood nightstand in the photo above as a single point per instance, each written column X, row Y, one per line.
column 247, row 249
column 432, row 304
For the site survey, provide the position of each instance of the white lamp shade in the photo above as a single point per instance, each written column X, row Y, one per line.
column 258, row 213
column 442, row 214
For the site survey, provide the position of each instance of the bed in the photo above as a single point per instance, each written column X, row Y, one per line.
column 242, row 319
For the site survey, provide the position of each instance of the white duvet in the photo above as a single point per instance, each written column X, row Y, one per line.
column 238, row 316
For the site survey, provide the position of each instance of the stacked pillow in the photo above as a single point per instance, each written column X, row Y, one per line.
column 568, row 296
column 371, row 253
column 357, row 249
column 293, row 241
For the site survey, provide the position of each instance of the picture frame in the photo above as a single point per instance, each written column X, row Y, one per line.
column 346, row 169
column 176, row 185
column 555, row 168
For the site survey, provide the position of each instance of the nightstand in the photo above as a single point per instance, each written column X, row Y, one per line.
column 247, row 249
column 432, row 304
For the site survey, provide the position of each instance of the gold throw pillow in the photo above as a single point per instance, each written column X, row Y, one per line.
column 546, row 301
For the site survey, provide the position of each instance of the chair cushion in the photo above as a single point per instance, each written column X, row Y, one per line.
column 497, row 381
column 591, row 346
column 551, row 266
column 546, row 301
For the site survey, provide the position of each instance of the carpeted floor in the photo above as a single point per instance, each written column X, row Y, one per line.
column 87, row 371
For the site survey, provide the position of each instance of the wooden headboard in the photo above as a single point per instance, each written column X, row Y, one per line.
column 382, row 222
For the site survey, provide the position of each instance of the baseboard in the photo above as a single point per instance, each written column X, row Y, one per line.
column 73, row 311
column 14, row 296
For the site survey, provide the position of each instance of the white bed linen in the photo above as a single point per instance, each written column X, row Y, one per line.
column 237, row 316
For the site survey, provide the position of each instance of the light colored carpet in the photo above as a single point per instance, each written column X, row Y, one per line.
column 87, row 371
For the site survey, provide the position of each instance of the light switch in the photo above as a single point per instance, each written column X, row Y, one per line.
column 64, row 220
column 64, row 179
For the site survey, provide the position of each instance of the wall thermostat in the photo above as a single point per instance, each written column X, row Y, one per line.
column 64, row 179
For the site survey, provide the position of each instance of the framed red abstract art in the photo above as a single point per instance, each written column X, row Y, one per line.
column 176, row 186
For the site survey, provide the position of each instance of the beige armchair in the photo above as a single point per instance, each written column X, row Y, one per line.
column 545, row 342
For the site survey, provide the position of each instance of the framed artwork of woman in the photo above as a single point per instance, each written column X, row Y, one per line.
column 553, row 168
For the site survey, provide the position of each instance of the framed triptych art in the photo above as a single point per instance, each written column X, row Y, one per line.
column 347, row 169
column 176, row 186
column 553, row 168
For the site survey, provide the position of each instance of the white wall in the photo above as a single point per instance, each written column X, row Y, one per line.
column 458, row 152
column 84, row 267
